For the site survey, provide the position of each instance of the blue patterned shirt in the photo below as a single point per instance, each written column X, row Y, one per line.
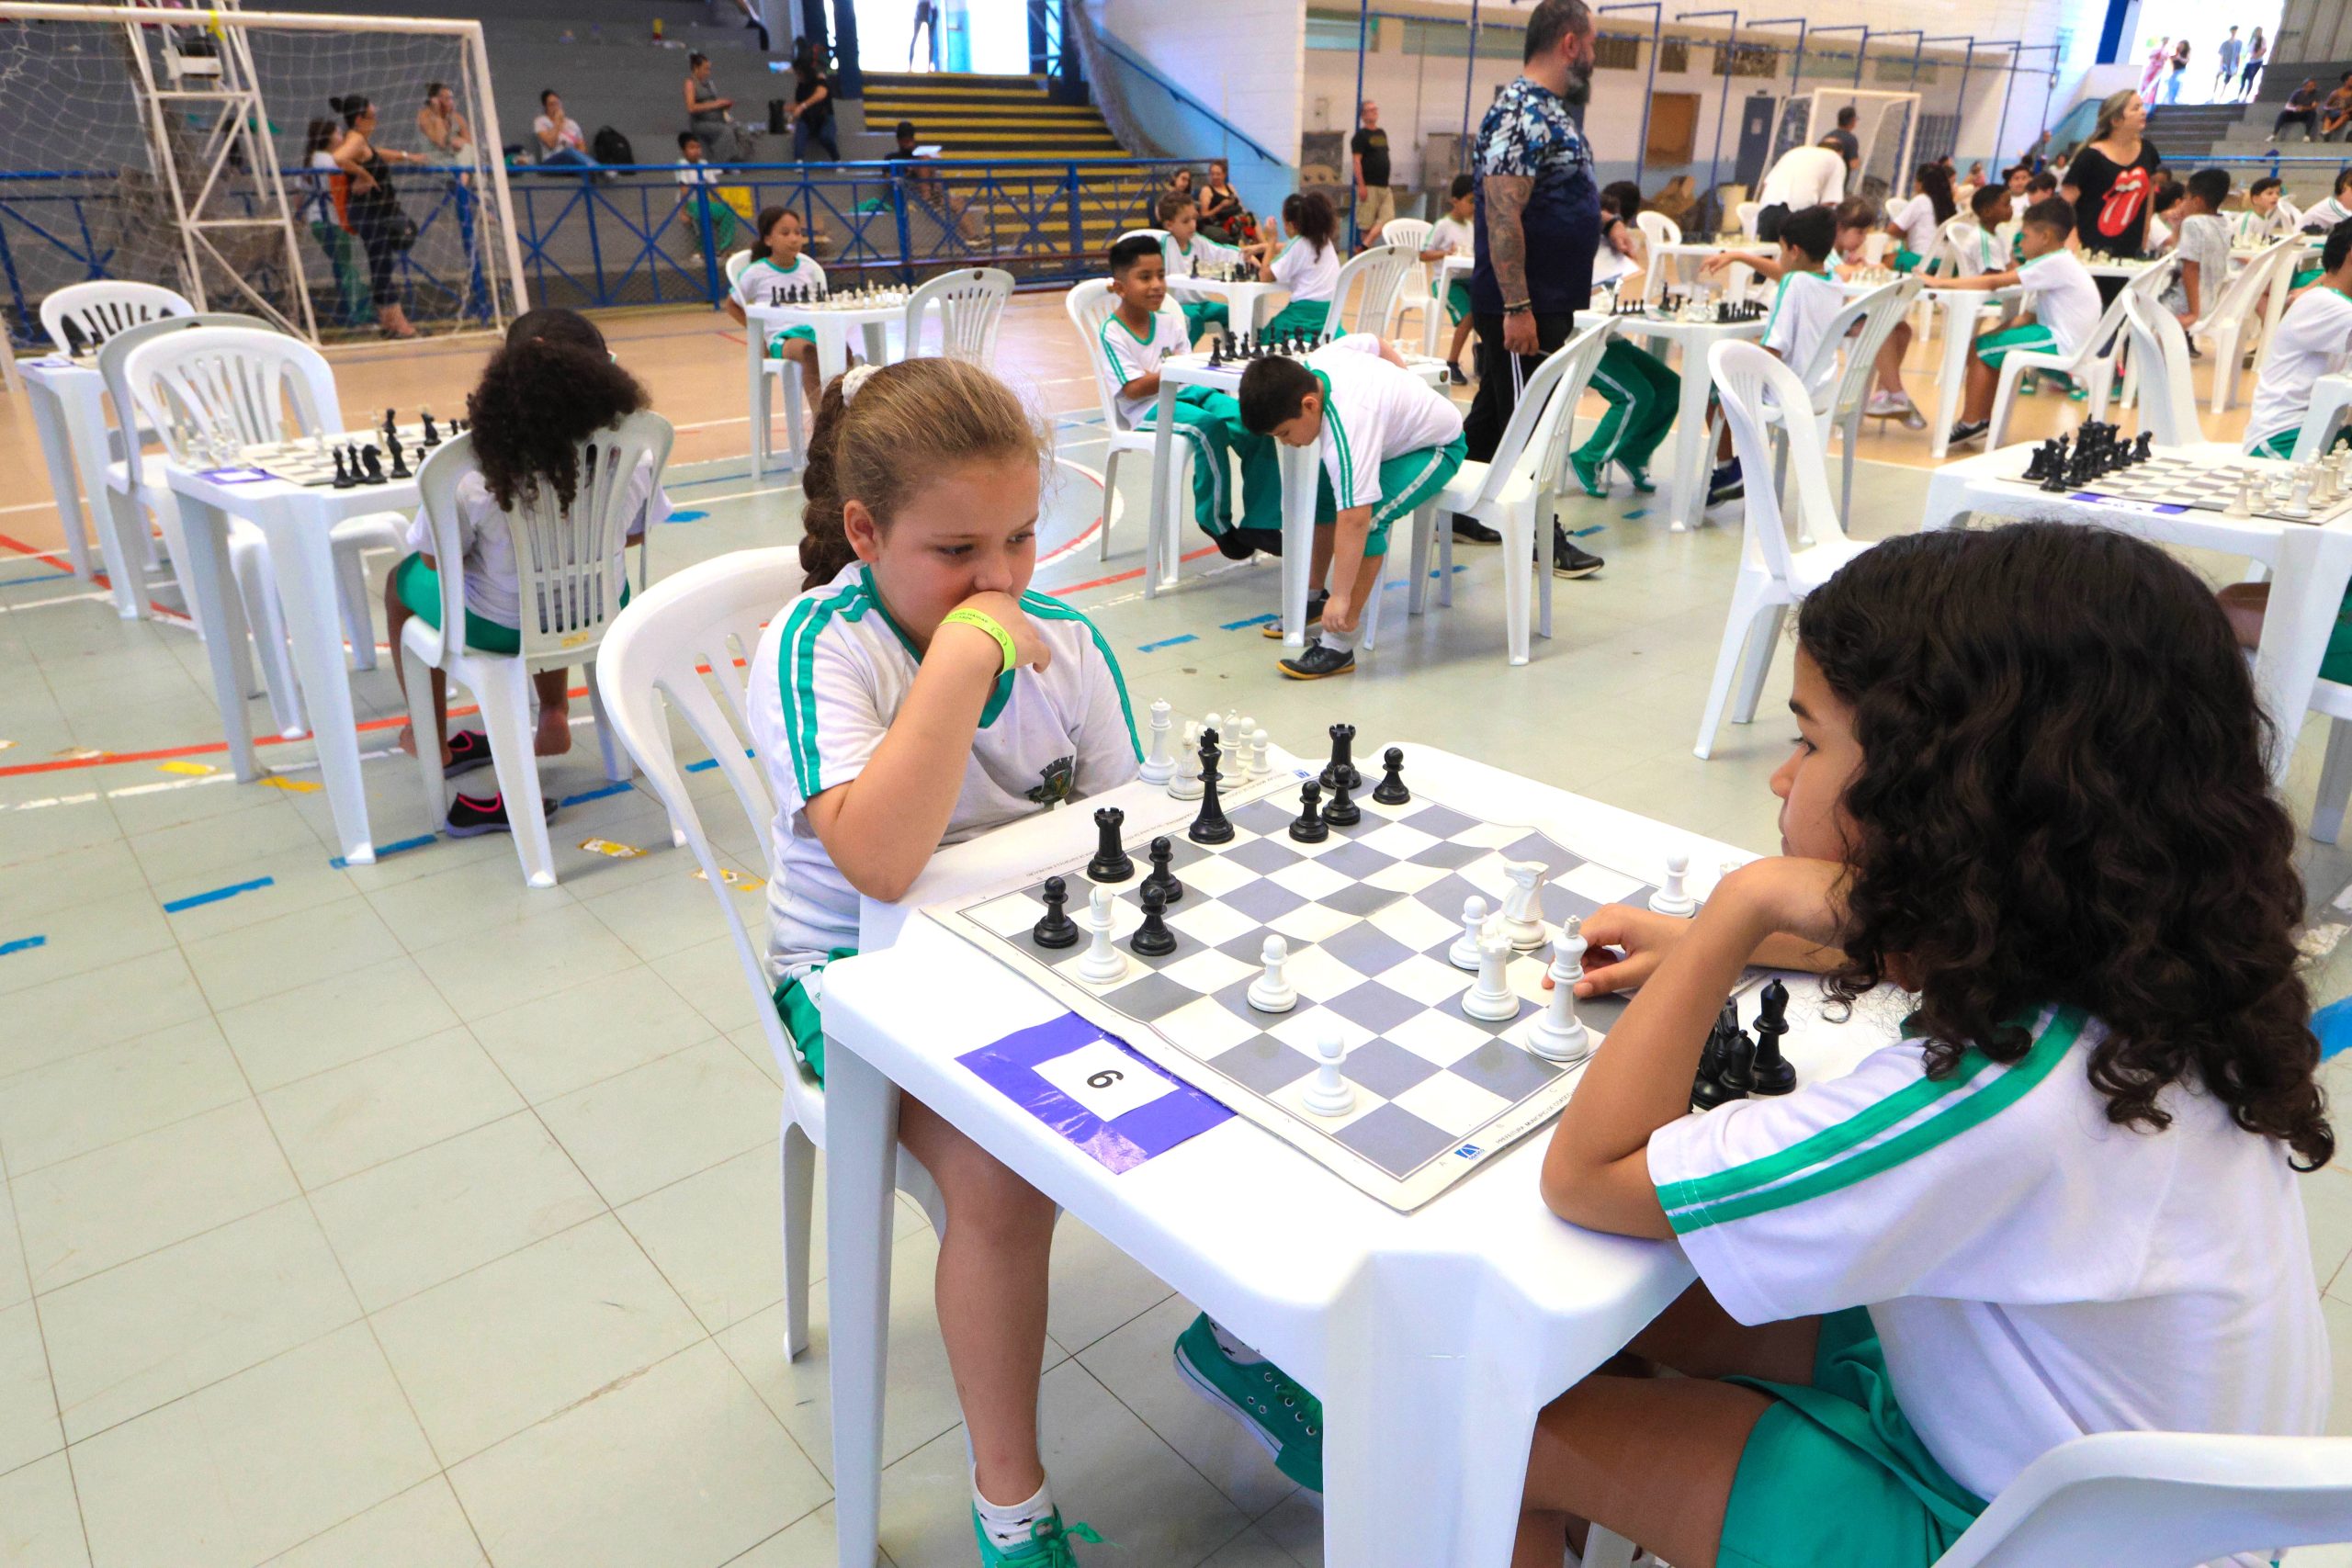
column 1529, row 132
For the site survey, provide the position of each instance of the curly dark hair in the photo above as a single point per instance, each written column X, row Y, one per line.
column 550, row 386
column 2063, row 799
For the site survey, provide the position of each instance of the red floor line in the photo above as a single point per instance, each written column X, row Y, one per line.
column 23, row 548
column 1128, row 575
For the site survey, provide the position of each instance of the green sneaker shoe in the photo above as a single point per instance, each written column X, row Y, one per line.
column 1639, row 477
column 1594, row 477
column 1282, row 1415
column 1047, row 1546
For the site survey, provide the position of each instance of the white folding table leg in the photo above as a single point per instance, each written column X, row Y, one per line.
column 861, row 1139
column 212, row 592
column 303, row 560
column 757, row 394
column 1299, row 469
column 1690, row 451
column 1164, row 491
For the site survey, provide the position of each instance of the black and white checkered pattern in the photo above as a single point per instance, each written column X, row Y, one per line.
column 1369, row 914
column 2199, row 487
column 310, row 460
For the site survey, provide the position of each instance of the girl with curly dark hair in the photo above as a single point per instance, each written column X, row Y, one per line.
column 1308, row 265
column 548, row 387
column 2029, row 789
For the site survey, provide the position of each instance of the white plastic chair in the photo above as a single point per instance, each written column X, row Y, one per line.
column 1530, row 463
column 1157, row 236
column 1381, row 272
column 773, row 370
column 651, row 667
column 2160, row 359
column 1841, row 400
column 94, row 312
column 1747, row 212
column 1772, row 576
column 1088, row 305
column 2092, row 363
column 1657, row 229
column 2234, row 321
column 1416, row 288
column 571, row 581
column 969, row 303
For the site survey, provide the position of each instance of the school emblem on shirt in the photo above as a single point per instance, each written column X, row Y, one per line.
column 1054, row 785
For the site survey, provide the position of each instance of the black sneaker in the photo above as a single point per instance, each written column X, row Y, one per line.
column 1470, row 531
column 1241, row 543
column 469, row 817
column 1569, row 561
column 1726, row 485
column 1968, row 431
column 468, row 750
column 1314, row 602
column 1454, row 373
column 1318, row 662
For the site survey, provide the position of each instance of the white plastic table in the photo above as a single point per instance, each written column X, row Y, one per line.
column 68, row 399
column 2311, row 563
column 1433, row 1338
column 1655, row 281
column 297, row 520
column 1243, row 299
column 1449, row 268
column 832, row 327
column 1686, row 485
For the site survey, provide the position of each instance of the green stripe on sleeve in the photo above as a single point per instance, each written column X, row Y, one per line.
column 1051, row 609
column 1347, row 485
column 795, row 677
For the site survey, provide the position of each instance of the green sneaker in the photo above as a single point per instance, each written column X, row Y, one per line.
column 1282, row 1415
column 1638, row 476
column 1047, row 1546
column 1594, row 476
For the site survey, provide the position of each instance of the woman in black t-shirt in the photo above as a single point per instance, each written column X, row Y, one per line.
column 812, row 103
column 2111, row 183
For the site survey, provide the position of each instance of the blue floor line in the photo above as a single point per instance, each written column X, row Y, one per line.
column 588, row 794
column 382, row 850
column 22, row 944
column 1252, row 621
column 1165, row 642
column 43, row 577
column 193, row 899
column 703, row 766
column 687, row 516
column 2332, row 1023
column 1637, row 511
column 1588, row 533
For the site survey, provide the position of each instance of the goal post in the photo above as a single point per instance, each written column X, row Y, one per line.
column 1887, row 127
column 173, row 145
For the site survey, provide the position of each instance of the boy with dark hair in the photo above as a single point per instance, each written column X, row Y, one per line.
column 2322, row 217
column 1185, row 252
column 1991, row 207
column 1454, row 235
column 2164, row 213
column 2066, row 309
column 1135, row 340
column 1802, row 304
column 2268, row 213
column 2313, row 339
column 2203, row 247
column 1389, row 443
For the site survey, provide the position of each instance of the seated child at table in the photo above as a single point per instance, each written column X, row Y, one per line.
column 2313, row 339
column 2163, row 216
column 2065, row 302
column 2335, row 210
column 779, row 259
column 1643, row 395
column 1452, row 236
column 1307, row 265
column 2267, row 214
column 1888, row 398
column 551, row 385
column 2203, row 246
column 1916, row 224
column 1186, row 251
column 1135, row 337
column 1389, row 442
column 2064, row 1202
column 1980, row 248
column 1804, row 302
column 917, row 695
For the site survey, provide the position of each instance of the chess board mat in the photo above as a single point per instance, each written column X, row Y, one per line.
column 1369, row 914
column 310, row 460
column 2177, row 483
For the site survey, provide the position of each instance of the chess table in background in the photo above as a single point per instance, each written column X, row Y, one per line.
column 1369, row 914
column 310, row 459
column 2182, row 484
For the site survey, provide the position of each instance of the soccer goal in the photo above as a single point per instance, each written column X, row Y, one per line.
column 184, row 147
column 1886, row 124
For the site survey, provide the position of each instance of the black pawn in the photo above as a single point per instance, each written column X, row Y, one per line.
column 1308, row 828
column 1769, row 1071
column 1210, row 827
column 1057, row 929
column 1153, row 938
column 1162, row 881
column 342, row 475
column 1391, row 790
column 1707, row 1090
column 432, row 436
column 1339, row 811
column 400, row 462
column 392, row 425
column 1739, row 1056
column 1110, row 863
column 1341, row 768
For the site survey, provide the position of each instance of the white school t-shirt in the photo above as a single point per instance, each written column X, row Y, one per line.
column 1131, row 357
column 755, row 283
column 2034, row 1273
column 1979, row 252
column 1801, row 309
column 1805, row 176
column 2326, row 216
column 2313, row 339
column 493, row 587
column 1374, row 411
column 2258, row 228
column 1307, row 272
column 1916, row 219
column 2205, row 239
column 831, row 674
column 2065, row 298
column 1203, row 252
column 1452, row 236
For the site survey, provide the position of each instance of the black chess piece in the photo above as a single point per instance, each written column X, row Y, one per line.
column 2139, row 448
column 1342, row 765
column 432, row 436
column 1162, row 880
column 1707, row 1090
column 342, row 475
column 372, row 462
column 1308, row 828
column 392, row 425
column 1110, row 863
column 2038, row 465
column 1153, row 938
column 1738, row 1055
column 1339, row 811
column 400, row 462
column 1769, row 1072
column 1216, row 354
column 1391, row 790
column 1210, row 827
column 1056, row 929
column 2054, row 479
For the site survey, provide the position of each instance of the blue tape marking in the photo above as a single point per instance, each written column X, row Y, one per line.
column 1252, row 621
column 193, row 899
column 703, row 766
column 1637, row 511
column 43, row 577
column 1165, row 642
column 384, row 850
column 21, row 943
column 685, row 516
column 1434, row 571
column 715, row 480
column 587, row 794
column 2332, row 1023
column 1589, row 533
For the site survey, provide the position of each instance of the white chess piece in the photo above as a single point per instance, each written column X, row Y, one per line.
column 1523, row 907
column 1102, row 963
column 2297, row 503
column 1673, row 899
column 1558, row 1034
column 1269, row 992
column 2242, row 502
column 1330, row 1094
column 1492, row 999
column 1237, row 748
column 1159, row 767
column 1463, row 954
column 1259, row 766
column 1185, row 782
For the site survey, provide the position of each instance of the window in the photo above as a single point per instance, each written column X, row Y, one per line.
column 1748, row 60
column 1617, row 51
column 1674, row 56
column 1327, row 30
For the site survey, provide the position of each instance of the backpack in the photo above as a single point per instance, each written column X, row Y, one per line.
column 610, row 147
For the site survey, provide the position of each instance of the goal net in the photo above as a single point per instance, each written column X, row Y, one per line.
column 177, row 147
column 1886, row 124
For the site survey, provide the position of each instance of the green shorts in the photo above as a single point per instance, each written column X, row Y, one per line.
column 2305, row 278
column 1201, row 314
column 1306, row 317
column 1457, row 301
column 803, row 1017
column 420, row 589
column 790, row 335
column 1993, row 347
column 1907, row 259
column 1407, row 481
column 1834, row 1475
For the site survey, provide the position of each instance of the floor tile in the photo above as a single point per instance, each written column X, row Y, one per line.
column 62, row 1018
column 422, row 1528
column 101, row 1096
column 266, row 825
column 1136, row 1363
column 28, row 1426
column 717, row 1238
column 40, row 1522
column 412, row 1223
column 660, row 916
column 298, row 879
column 1095, row 1287
column 104, row 1208
column 37, row 887
column 809, row 1542
column 487, row 895
column 2338, row 1313
column 347, row 1118
column 522, row 1337
column 328, row 1023
column 97, row 935
column 274, row 955
column 712, row 980
column 1295, row 1524
column 1253, row 1548
column 593, row 1030
column 542, row 956
column 247, row 1468
column 647, row 1128
column 682, row 1466
column 2327, row 1206
column 14, row 1286
column 135, row 1337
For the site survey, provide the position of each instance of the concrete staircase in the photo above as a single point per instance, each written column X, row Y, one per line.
column 986, row 117
column 2189, row 131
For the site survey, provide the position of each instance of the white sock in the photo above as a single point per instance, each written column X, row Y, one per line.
column 1240, row 1355
column 1339, row 642
column 1009, row 1524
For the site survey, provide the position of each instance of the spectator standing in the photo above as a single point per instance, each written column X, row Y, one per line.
column 698, row 193
column 447, row 138
column 322, row 209
column 562, row 144
column 2154, row 68
column 813, row 105
column 2226, row 57
column 1368, row 149
column 2252, row 74
column 2111, row 183
column 1843, row 138
column 2177, row 73
column 374, row 210
column 1805, row 176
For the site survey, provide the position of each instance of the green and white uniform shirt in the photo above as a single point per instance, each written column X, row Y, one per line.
column 2064, row 298
column 1309, row 274
column 1979, row 252
column 1203, row 251
column 1374, row 411
column 2260, row 228
column 2313, row 339
column 831, row 672
column 757, row 281
column 1801, row 310
column 2034, row 1273
column 1131, row 357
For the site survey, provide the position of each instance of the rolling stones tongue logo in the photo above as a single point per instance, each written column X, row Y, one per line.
column 2123, row 202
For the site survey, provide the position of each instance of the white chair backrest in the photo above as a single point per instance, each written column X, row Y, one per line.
column 2148, row 287
column 1878, row 314
column 1745, row 377
column 969, row 304
column 1157, row 236
column 1375, row 277
column 1657, row 229
column 2164, row 1500
column 2167, row 397
column 1413, row 233
column 1747, row 212
column 1537, row 440
column 114, row 360
column 568, row 562
column 1874, row 244
column 1959, row 243
column 1088, row 305
column 93, row 313
column 2235, row 299
column 248, row 382
column 736, row 262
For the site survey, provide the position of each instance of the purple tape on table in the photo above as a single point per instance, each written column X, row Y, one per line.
column 1010, row 1067
column 239, row 476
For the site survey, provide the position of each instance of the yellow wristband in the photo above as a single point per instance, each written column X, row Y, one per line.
column 987, row 623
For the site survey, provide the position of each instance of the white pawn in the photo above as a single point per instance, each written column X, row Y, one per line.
column 1259, row 766
column 1159, row 767
column 1185, row 782
column 1491, row 999
column 1330, row 1094
column 1102, row 963
column 1269, row 992
column 1558, row 1034
column 1673, row 899
column 1237, row 749
column 1463, row 954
